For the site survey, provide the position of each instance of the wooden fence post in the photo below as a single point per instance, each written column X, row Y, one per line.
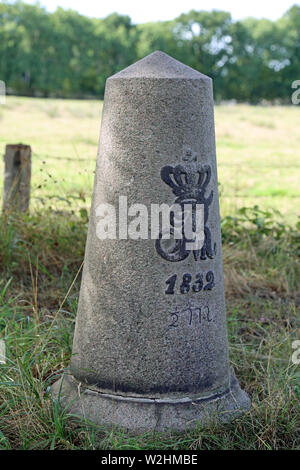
column 17, row 175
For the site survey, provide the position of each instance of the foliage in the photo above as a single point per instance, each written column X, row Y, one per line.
column 256, row 222
column 69, row 55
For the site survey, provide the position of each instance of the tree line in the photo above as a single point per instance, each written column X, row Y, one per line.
column 65, row 54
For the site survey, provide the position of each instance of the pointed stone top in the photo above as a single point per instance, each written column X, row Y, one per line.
column 159, row 65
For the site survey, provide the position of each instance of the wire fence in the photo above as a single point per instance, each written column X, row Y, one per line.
column 221, row 165
column 232, row 193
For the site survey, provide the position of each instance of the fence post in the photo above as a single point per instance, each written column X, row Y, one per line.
column 17, row 175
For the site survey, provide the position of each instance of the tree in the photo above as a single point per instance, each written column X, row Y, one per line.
column 70, row 55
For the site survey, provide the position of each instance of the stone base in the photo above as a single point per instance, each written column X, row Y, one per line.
column 144, row 414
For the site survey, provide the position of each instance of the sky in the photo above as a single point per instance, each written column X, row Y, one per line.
column 142, row 11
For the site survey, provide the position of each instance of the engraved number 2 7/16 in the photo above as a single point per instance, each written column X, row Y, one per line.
column 188, row 283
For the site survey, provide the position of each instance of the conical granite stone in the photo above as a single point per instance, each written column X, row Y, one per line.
column 150, row 346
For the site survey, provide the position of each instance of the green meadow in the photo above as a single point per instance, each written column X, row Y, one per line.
column 258, row 150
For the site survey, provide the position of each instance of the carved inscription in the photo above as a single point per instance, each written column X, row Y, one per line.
column 189, row 184
column 193, row 316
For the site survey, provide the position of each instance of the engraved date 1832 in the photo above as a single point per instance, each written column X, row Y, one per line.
column 188, row 284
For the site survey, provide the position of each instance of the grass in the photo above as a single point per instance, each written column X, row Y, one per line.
column 41, row 256
column 40, row 264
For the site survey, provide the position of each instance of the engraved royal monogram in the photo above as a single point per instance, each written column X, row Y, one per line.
column 189, row 184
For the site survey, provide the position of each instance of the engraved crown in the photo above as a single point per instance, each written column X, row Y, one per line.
column 187, row 182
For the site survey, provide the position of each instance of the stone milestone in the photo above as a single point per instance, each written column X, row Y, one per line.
column 150, row 346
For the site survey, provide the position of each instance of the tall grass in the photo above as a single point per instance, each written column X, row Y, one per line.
column 41, row 256
column 40, row 267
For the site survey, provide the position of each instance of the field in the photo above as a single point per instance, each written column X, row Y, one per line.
column 258, row 150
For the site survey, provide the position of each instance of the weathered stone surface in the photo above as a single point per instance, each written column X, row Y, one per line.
column 142, row 414
column 17, row 175
column 143, row 357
